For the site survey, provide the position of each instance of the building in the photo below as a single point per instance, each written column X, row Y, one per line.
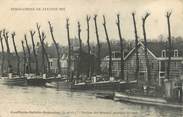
column 157, row 55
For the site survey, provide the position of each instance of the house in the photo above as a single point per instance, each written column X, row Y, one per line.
column 157, row 55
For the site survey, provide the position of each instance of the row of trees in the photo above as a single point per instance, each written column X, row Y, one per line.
column 45, row 57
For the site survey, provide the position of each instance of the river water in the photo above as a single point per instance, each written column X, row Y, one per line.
column 18, row 101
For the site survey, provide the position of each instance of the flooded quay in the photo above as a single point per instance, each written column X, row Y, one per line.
column 30, row 101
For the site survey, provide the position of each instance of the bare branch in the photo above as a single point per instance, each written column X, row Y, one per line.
column 145, row 17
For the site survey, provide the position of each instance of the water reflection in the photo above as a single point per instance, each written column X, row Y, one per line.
column 49, row 102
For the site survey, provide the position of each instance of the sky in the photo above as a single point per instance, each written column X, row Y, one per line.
column 22, row 21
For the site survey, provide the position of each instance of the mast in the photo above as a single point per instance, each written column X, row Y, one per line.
column 57, row 48
column 32, row 33
column 109, row 47
column 18, row 58
column 98, row 45
column 121, row 47
column 136, row 47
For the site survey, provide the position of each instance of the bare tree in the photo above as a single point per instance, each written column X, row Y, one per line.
column 109, row 47
column 80, row 50
column 136, row 47
column 5, row 34
column 32, row 33
column 121, row 46
column 42, row 36
column 169, row 44
column 57, row 48
column 29, row 55
column 98, row 46
column 88, row 44
column 2, row 48
column 145, row 47
column 24, row 57
column 69, row 49
column 15, row 48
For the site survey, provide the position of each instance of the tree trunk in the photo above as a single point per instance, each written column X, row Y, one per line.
column 18, row 58
column 109, row 47
column 57, row 48
column 121, row 45
column 98, row 46
column 24, row 58
column 80, row 50
column 5, row 34
column 88, row 44
column 169, row 45
column 145, row 48
column 34, row 51
column 69, row 51
column 136, row 48
column 29, row 55
column 2, row 48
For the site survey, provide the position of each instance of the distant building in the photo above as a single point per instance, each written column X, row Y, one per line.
column 158, row 60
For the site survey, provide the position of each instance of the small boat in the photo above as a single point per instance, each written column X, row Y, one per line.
column 35, row 80
column 145, row 100
column 14, row 80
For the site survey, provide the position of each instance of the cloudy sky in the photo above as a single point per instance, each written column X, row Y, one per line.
column 21, row 21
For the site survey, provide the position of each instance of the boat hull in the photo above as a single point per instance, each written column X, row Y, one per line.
column 20, row 81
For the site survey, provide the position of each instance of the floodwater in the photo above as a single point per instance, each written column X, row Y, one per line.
column 29, row 101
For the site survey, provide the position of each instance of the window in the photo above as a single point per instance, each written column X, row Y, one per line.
column 176, row 53
column 51, row 63
column 162, row 68
column 163, row 53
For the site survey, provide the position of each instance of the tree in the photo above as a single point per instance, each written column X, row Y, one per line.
column 32, row 33
column 88, row 44
column 145, row 47
column 15, row 48
column 136, row 47
column 24, row 57
column 69, row 49
column 2, row 48
column 29, row 55
column 57, row 48
column 80, row 50
column 109, row 47
column 42, row 37
column 98, row 46
column 169, row 44
column 5, row 34
column 121, row 47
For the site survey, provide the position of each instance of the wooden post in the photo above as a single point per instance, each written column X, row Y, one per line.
column 32, row 33
column 57, row 48
column 145, row 48
column 136, row 48
column 121, row 46
column 2, row 48
column 98, row 46
column 24, row 58
column 109, row 47
column 69, row 51
column 169, row 44
column 18, row 58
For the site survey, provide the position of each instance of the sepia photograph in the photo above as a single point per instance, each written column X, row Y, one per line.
column 91, row 58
